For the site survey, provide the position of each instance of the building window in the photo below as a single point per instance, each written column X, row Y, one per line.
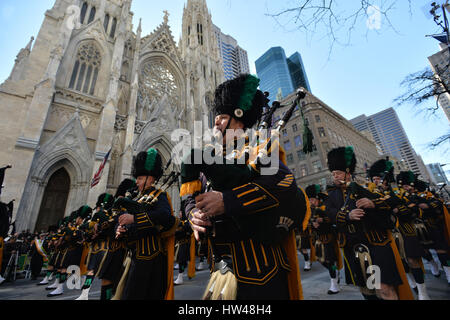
column 303, row 170
column 287, row 145
column 113, row 28
column 326, row 147
column 298, row 141
column 317, row 166
column 290, row 159
column 317, row 118
column 86, row 68
column 106, row 23
column 83, row 12
column 301, row 155
column 295, row 128
column 92, row 15
column 285, row 133
column 322, row 132
column 200, row 33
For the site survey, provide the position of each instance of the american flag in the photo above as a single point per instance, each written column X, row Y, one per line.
column 98, row 175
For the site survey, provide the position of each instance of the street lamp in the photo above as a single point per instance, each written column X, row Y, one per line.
column 444, row 24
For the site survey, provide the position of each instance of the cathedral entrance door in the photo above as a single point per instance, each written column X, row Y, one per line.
column 54, row 201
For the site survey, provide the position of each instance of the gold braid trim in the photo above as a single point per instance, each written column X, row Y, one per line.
column 190, row 188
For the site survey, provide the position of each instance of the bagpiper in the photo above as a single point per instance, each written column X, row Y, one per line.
column 148, row 227
column 72, row 241
column 436, row 217
column 363, row 223
column 326, row 248
column 97, row 242
column 249, row 226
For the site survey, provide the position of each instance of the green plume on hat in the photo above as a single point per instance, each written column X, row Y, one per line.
column 317, row 188
column 348, row 156
column 248, row 92
column 151, row 158
column 83, row 211
column 389, row 165
column 411, row 177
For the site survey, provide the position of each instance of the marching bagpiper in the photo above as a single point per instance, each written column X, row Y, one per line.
column 148, row 227
column 250, row 225
column 364, row 226
column 72, row 242
column 97, row 242
column 324, row 237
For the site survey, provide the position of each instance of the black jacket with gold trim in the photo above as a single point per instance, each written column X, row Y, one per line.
column 258, row 216
column 326, row 229
column 372, row 228
column 150, row 227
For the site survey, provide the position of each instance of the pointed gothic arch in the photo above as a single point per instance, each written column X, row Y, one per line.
column 88, row 35
column 86, row 68
column 67, row 149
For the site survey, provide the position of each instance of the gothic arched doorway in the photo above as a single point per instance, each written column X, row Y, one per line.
column 54, row 201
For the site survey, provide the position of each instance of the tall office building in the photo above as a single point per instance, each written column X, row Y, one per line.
column 280, row 75
column 388, row 133
column 297, row 71
column 234, row 58
column 437, row 174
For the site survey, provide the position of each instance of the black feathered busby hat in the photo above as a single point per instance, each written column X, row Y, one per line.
column 148, row 164
column 106, row 200
column 406, row 178
column 420, row 185
column 73, row 216
column 84, row 212
column 384, row 169
column 240, row 99
column 124, row 186
column 343, row 159
column 312, row 191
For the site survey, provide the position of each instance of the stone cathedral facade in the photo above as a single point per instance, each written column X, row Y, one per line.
column 88, row 84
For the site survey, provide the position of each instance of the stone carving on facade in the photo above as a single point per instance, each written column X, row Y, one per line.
column 156, row 82
column 73, row 98
column 121, row 123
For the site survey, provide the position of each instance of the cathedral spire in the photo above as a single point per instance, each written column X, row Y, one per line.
column 28, row 47
column 139, row 29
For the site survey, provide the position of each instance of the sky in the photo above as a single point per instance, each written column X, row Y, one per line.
column 361, row 78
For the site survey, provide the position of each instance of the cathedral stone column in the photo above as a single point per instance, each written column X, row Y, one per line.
column 108, row 116
column 127, row 157
column 36, row 113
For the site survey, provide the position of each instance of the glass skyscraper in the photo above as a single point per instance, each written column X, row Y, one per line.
column 297, row 71
column 280, row 75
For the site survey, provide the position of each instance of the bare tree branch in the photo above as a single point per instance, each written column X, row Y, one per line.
column 439, row 142
column 310, row 16
column 423, row 86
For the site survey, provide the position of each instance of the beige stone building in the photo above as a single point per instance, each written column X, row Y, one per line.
column 88, row 84
column 330, row 130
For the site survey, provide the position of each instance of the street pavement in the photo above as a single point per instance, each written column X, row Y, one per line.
column 315, row 285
